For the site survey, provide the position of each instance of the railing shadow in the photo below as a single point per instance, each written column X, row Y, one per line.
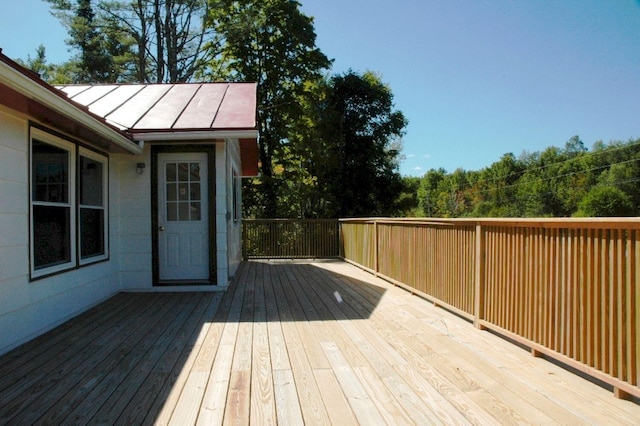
column 302, row 291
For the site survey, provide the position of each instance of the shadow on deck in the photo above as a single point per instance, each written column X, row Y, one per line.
column 292, row 343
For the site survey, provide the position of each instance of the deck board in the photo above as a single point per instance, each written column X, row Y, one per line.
column 289, row 343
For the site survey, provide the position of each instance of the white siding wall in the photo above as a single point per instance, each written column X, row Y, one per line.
column 28, row 309
column 234, row 229
column 131, row 223
column 221, row 216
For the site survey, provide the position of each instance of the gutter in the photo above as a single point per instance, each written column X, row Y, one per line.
column 194, row 135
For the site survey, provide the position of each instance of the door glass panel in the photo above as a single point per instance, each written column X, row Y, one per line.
column 183, row 174
column 183, row 209
column 183, row 191
column 195, row 171
column 195, row 211
column 172, row 212
column 171, row 172
column 195, row 191
column 183, row 195
column 172, row 192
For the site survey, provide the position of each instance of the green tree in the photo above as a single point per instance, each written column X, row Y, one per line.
column 272, row 43
column 38, row 63
column 138, row 40
column 499, row 186
column 605, row 201
column 95, row 62
column 54, row 74
column 407, row 204
column 428, row 192
column 453, row 200
column 356, row 145
column 622, row 169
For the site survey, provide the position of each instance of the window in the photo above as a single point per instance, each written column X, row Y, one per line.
column 52, row 180
column 235, row 183
column 92, row 206
column 68, row 209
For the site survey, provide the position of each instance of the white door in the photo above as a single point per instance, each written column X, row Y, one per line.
column 183, row 230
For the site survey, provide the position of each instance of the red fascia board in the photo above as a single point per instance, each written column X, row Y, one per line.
column 33, row 76
column 249, row 157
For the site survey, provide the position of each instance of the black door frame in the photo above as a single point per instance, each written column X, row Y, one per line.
column 210, row 150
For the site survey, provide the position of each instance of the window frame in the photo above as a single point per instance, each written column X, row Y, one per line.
column 70, row 148
column 235, row 197
column 74, row 154
column 92, row 155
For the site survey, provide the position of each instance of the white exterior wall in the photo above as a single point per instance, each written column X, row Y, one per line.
column 131, row 220
column 222, row 260
column 234, row 229
column 30, row 308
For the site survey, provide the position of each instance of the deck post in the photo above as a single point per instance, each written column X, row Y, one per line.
column 376, row 243
column 479, row 279
column 621, row 394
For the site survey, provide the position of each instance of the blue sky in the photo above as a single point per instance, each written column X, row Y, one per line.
column 475, row 78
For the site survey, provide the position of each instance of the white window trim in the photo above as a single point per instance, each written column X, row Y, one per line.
column 74, row 152
column 83, row 152
column 71, row 188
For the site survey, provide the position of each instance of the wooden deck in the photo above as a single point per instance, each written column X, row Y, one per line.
column 289, row 343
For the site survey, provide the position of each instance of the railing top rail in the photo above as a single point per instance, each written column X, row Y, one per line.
column 567, row 223
column 289, row 220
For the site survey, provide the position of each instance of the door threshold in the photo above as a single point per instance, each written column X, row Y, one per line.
column 165, row 283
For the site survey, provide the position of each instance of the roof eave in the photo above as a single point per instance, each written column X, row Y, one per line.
column 40, row 93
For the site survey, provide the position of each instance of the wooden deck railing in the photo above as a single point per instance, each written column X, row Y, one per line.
column 568, row 289
column 290, row 238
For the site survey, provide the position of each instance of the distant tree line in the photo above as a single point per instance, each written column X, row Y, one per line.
column 557, row 182
column 329, row 144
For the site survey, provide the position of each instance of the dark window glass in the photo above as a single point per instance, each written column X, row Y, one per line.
column 172, row 212
column 172, row 192
column 91, row 174
column 183, row 172
column 92, row 230
column 92, row 207
column 50, row 170
column 171, row 172
column 195, row 171
column 195, row 191
column 183, row 212
column 183, row 195
column 51, row 236
column 195, row 211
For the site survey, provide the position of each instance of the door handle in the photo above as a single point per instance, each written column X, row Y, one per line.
column 161, row 228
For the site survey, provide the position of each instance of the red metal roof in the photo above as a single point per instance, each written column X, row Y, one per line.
column 118, row 112
column 170, row 107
